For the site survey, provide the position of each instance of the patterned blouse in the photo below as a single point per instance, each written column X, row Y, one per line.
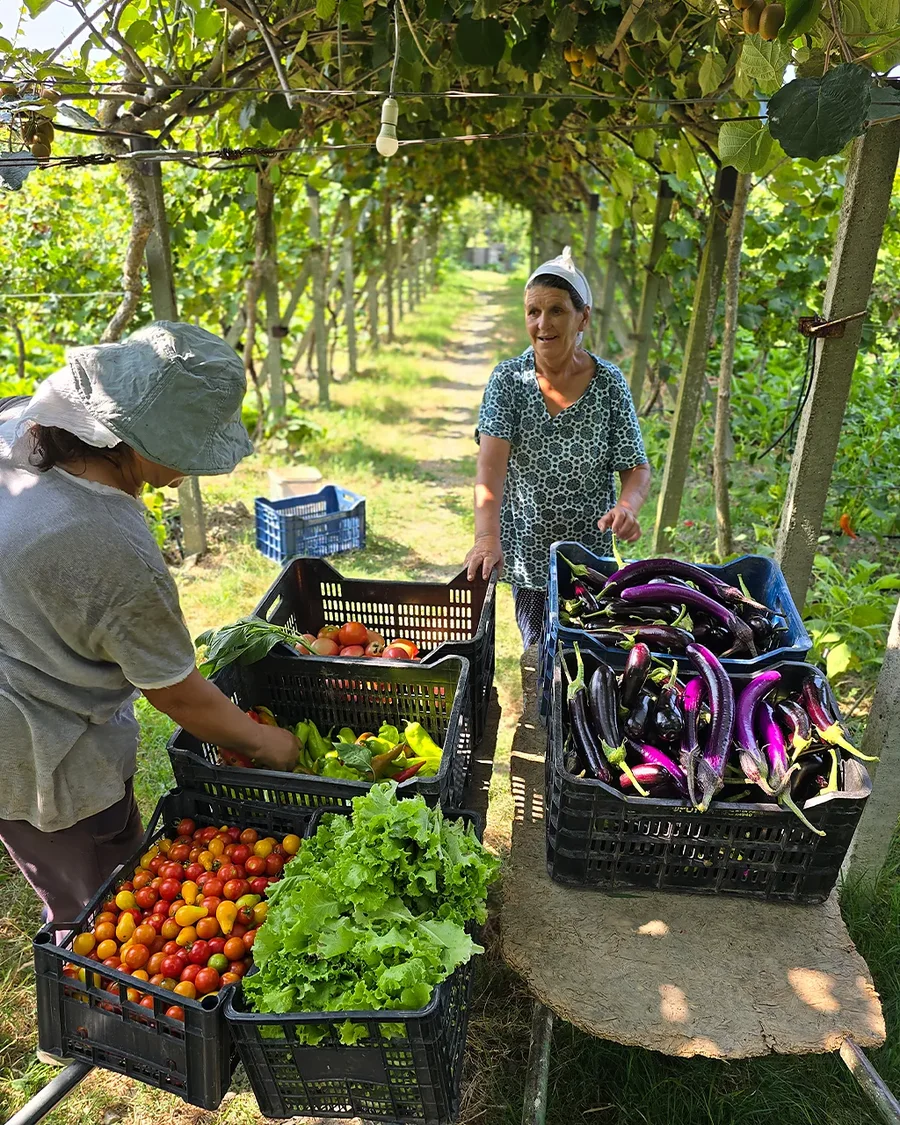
column 560, row 476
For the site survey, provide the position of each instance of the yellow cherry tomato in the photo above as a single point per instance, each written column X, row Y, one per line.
column 259, row 913
column 83, row 944
column 106, row 949
column 216, row 846
column 163, row 845
column 226, row 913
column 186, row 936
column 291, row 844
column 206, row 860
column 189, row 892
column 126, row 927
column 264, row 848
column 141, row 974
column 188, row 915
column 125, row 900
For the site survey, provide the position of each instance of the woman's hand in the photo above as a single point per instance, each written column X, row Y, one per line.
column 623, row 523
column 278, row 749
column 484, row 556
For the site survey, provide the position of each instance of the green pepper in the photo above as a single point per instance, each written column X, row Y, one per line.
column 424, row 746
column 381, row 762
column 389, row 733
column 333, row 767
column 301, row 733
column 318, row 746
column 345, row 734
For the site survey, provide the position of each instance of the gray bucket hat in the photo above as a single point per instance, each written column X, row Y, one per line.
column 170, row 391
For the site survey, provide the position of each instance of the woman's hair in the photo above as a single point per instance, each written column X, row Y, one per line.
column 551, row 281
column 53, row 446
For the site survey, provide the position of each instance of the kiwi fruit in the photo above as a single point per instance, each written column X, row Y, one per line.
column 39, row 150
column 575, row 68
column 751, row 16
column 770, row 21
column 44, row 130
column 590, row 56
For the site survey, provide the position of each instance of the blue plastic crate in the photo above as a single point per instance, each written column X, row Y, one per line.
column 764, row 580
column 323, row 523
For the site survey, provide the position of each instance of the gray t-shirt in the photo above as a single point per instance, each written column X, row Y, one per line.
column 88, row 613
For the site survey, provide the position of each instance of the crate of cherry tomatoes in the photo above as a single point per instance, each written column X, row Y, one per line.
column 434, row 619
column 137, row 983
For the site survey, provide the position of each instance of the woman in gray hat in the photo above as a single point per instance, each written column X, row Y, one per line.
column 89, row 614
column 555, row 424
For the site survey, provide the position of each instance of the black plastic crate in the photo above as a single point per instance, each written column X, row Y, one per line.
column 762, row 575
column 455, row 618
column 411, row 1077
column 78, row 1019
column 336, row 692
column 597, row 837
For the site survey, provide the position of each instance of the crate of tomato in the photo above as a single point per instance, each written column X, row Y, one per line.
column 679, row 777
column 357, row 720
column 137, row 983
column 742, row 611
column 454, row 618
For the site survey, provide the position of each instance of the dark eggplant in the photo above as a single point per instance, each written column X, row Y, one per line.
column 583, row 737
column 656, row 780
column 642, row 571
column 668, row 718
column 592, row 577
column 588, row 600
column 667, row 637
column 803, row 782
column 711, row 767
column 603, row 698
column 796, row 723
column 622, row 613
column 657, row 757
column 635, row 675
column 753, row 760
column 773, row 743
column 818, row 707
column 638, row 719
column 663, row 592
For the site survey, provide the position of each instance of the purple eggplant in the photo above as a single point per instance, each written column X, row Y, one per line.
column 663, row 592
column 618, row 612
column 635, row 675
column 603, row 703
column 592, row 577
column 583, row 736
column 587, row 598
column 773, row 743
column 711, row 767
column 753, row 761
column 638, row 719
column 690, row 737
column 657, row 757
column 656, row 780
column 645, row 569
column 668, row 718
column 796, row 723
column 668, row 637
column 818, row 707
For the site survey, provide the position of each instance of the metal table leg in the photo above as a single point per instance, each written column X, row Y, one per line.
column 534, row 1111
column 51, row 1095
column 871, row 1082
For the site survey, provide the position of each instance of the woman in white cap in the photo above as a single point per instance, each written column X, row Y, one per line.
column 89, row 614
column 555, row 424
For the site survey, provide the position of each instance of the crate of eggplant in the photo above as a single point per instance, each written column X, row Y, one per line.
column 742, row 611
column 671, row 774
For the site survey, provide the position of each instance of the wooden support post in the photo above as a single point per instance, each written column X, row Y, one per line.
column 534, row 1109
column 882, row 739
column 267, row 255
column 533, row 236
column 650, row 292
column 693, row 369
column 389, row 270
column 608, row 295
column 349, row 303
column 372, row 292
column 319, row 295
column 591, row 270
column 162, row 293
column 867, row 193
column 400, row 265
column 723, row 441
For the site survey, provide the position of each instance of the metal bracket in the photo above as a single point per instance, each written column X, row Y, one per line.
column 819, row 328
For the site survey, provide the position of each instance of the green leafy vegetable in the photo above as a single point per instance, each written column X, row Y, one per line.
column 244, row 642
column 371, row 914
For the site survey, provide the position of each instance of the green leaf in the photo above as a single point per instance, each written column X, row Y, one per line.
column 745, row 144
column 35, row 7
column 140, row 34
column 352, row 12
column 325, row 9
column 357, row 757
column 885, row 103
column 882, row 15
column 799, row 17
column 712, row 72
column 863, row 615
column 623, row 182
column 888, row 582
column 5, row 44
column 564, row 25
column 480, row 42
column 644, row 144
column 644, row 26
column 764, row 62
column 684, row 160
column 816, row 117
column 280, row 115
column 814, row 66
column 838, row 660
column 208, row 24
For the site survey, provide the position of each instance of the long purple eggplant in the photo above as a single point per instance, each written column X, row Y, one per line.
column 711, row 767
column 690, row 737
column 663, row 592
column 753, row 762
column 635, row 675
column 592, row 577
column 617, row 612
column 603, row 705
column 645, row 569
column 668, row 637
column 656, row 780
column 796, row 722
column 586, row 741
column 773, row 744
column 815, row 700
column 657, row 757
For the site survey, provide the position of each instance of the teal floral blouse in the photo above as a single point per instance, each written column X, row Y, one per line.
column 560, row 478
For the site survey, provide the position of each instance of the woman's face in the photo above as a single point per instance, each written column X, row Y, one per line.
column 553, row 322
column 158, row 476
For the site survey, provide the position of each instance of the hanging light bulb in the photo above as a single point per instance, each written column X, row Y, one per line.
column 469, row 140
column 387, row 142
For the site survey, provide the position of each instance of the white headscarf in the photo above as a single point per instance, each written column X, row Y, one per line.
column 565, row 268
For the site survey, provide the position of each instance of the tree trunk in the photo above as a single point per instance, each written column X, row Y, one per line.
column 399, row 265
column 650, row 293
column 317, row 267
column 299, row 288
column 867, row 192
column 20, row 348
column 266, row 267
column 608, row 296
column 132, row 267
column 349, row 302
column 372, row 291
column 722, row 444
column 693, row 370
column 389, row 270
column 591, row 271
column 253, row 284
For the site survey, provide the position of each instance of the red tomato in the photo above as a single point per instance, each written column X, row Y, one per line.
column 207, row 834
column 395, row 652
column 156, row 921
column 172, row 966
column 143, row 935
column 147, row 1002
column 170, row 929
column 329, row 633
column 249, row 938
column 255, row 865
column 373, row 638
column 172, row 871
column 207, row 980
column 353, row 633
column 237, row 968
column 374, row 648
column 153, row 965
column 217, row 945
column 189, row 972
column 228, row 978
column 136, row 956
column 229, row 871
column 186, row 827
column 211, row 902
column 213, row 887
column 207, row 928
column 234, row 949
column 245, row 916
column 259, row 885
column 233, row 833
column 142, row 879
column 146, row 898
column 175, row 906
column 175, row 1013
column 156, row 945
column 127, row 886
column 411, row 648
column 179, row 852
column 324, row 647
column 198, row 954
column 239, row 854
column 353, row 651
column 239, row 929
column 309, row 638
column 274, row 865
column 195, row 873
column 172, row 946
column 234, row 888
column 169, row 889
column 249, row 837
column 156, row 863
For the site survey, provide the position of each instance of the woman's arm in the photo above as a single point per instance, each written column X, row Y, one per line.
column 199, row 707
column 622, row 519
column 490, row 477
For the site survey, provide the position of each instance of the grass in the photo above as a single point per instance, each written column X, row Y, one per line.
column 401, row 434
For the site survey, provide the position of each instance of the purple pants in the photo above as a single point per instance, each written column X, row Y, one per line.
column 67, row 868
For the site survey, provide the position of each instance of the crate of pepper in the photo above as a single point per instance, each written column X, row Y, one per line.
column 357, row 721
column 359, row 1002
column 137, row 984
column 675, row 776
column 742, row 611
column 429, row 619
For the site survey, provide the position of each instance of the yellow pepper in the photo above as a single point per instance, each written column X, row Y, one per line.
column 190, row 892
column 226, row 913
column 188, row 915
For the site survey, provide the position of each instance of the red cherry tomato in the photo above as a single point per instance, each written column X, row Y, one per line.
column 233, row 833
column 136, row 956
column 240, row 853
column 249, row 837
column 189, row 972
column 234, row 949
column 255, row 865
column 186, row 827
column 179, row 852
column 169, row 889
column 259, row 885
column 234, row 888
column 353, row 633
column 198, row 954
column 147, row 1002
column 207, row 980
column 195, row 873
column 229, row 871
column 171, row 966
column 217, row 944
column 238, row 968
column 213, row 887
column 175, row 1013
column 249, row 938
column 146, row 898
column 274, row 865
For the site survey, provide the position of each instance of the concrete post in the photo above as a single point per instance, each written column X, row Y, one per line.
column 349, row 302
column 372, row 292
column 693, row 370
column 882, row 739
column 590, row 244
column 867, row 193
column 650, row 292
column 608, row 295
column 400, row 266
column 389, row 269
column 319, row 295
